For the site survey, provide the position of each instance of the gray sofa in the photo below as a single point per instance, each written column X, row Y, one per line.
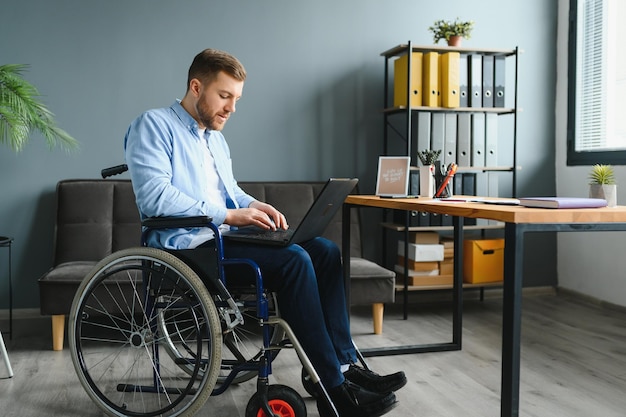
column 97, row 217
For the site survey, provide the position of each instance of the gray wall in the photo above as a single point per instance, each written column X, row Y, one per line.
column 313, row 94
column 588, row 263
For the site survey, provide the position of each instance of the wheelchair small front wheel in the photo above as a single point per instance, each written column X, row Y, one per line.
column 282, row 400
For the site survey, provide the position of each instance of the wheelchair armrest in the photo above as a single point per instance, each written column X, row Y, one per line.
column 172, row 222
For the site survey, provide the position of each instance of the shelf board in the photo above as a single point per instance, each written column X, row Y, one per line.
column 400, row 287
column 477, row 169
column 497, row 110
column 402, row 49
column 485, row 169
column 400, row 228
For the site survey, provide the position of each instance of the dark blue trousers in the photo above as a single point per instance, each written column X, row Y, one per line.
column 308, row 281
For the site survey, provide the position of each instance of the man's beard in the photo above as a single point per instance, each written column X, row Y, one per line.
column 206, row 119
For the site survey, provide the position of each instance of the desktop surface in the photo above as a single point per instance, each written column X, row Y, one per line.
column 503, row 213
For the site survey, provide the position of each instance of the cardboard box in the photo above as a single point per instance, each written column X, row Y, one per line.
column 422, row 253
column 413, row 273
column 446, row 267
column 425, row 280
column 448, row 248
column 483, row 260
column 418, row 266
column 424, row 238
column 431, row 277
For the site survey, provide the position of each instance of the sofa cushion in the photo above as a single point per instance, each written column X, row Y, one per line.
column 94, row 219
column 370, row 283
column 58, row 286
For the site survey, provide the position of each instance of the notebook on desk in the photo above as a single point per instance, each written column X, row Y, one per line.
column 563, row 202
column 317, row 218
column 487, row 200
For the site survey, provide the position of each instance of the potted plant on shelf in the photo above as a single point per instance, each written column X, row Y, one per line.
column 602, row 184
column 451, row 31
column 21, row 111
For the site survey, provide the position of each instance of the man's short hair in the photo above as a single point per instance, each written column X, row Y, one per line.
column 210, row 62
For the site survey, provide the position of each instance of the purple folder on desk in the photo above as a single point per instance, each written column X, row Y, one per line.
column 562, row 202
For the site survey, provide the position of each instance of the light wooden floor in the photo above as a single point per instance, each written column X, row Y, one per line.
column 573, row 364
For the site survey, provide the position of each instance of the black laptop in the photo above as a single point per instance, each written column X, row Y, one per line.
column 317, row 218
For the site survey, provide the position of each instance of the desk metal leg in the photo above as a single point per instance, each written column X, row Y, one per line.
column 405, row 293
column 512, row 319
column 345, row 252
column 457, row 293
column 457, row 314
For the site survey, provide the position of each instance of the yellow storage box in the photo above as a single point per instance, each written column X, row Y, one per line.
column 483, row 260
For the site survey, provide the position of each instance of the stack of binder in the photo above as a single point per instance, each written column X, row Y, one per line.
column 485, row 75
column 441, row 79
column 449, row 79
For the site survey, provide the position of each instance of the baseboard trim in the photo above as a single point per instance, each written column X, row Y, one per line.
column 526, row 291
column 469, row 294
column 21, row 313
column 586, row 298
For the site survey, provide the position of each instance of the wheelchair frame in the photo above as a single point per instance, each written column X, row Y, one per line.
column 153, row 302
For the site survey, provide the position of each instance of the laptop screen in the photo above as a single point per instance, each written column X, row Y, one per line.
column 393, row 176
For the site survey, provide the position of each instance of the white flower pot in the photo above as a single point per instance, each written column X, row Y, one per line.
column 427, row 181
column 607, row 192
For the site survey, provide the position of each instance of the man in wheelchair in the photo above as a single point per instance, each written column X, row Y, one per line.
column 180, row 165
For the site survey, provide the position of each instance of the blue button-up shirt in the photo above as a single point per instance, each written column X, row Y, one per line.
column 167, row 170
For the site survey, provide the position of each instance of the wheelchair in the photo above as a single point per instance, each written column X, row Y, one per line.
column 155, row 332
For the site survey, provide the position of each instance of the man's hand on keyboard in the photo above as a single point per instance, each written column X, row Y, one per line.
column 259, row 214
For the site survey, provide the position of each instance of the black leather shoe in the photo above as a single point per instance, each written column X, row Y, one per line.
column 351, row 400
column 373, row 382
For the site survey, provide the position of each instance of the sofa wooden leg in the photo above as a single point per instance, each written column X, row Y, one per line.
column 58, row 331
column 377, row 314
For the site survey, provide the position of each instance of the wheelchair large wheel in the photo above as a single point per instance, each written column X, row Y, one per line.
column 117, row 344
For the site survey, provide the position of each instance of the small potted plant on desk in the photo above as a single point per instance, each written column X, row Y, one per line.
column 451, row 31
column 602, row 184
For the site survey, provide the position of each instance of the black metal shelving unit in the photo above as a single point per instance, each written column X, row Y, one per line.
column 406, row 133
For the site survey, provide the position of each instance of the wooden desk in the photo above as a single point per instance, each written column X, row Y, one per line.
column 517, row 221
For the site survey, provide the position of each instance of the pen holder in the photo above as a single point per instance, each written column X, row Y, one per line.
column 440, row 177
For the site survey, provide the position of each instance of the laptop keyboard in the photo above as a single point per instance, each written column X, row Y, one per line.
column 276, row 235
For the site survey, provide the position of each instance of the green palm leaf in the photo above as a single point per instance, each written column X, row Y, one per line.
column 21, row 111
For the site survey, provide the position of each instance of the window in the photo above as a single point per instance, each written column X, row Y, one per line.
column 597, row 83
